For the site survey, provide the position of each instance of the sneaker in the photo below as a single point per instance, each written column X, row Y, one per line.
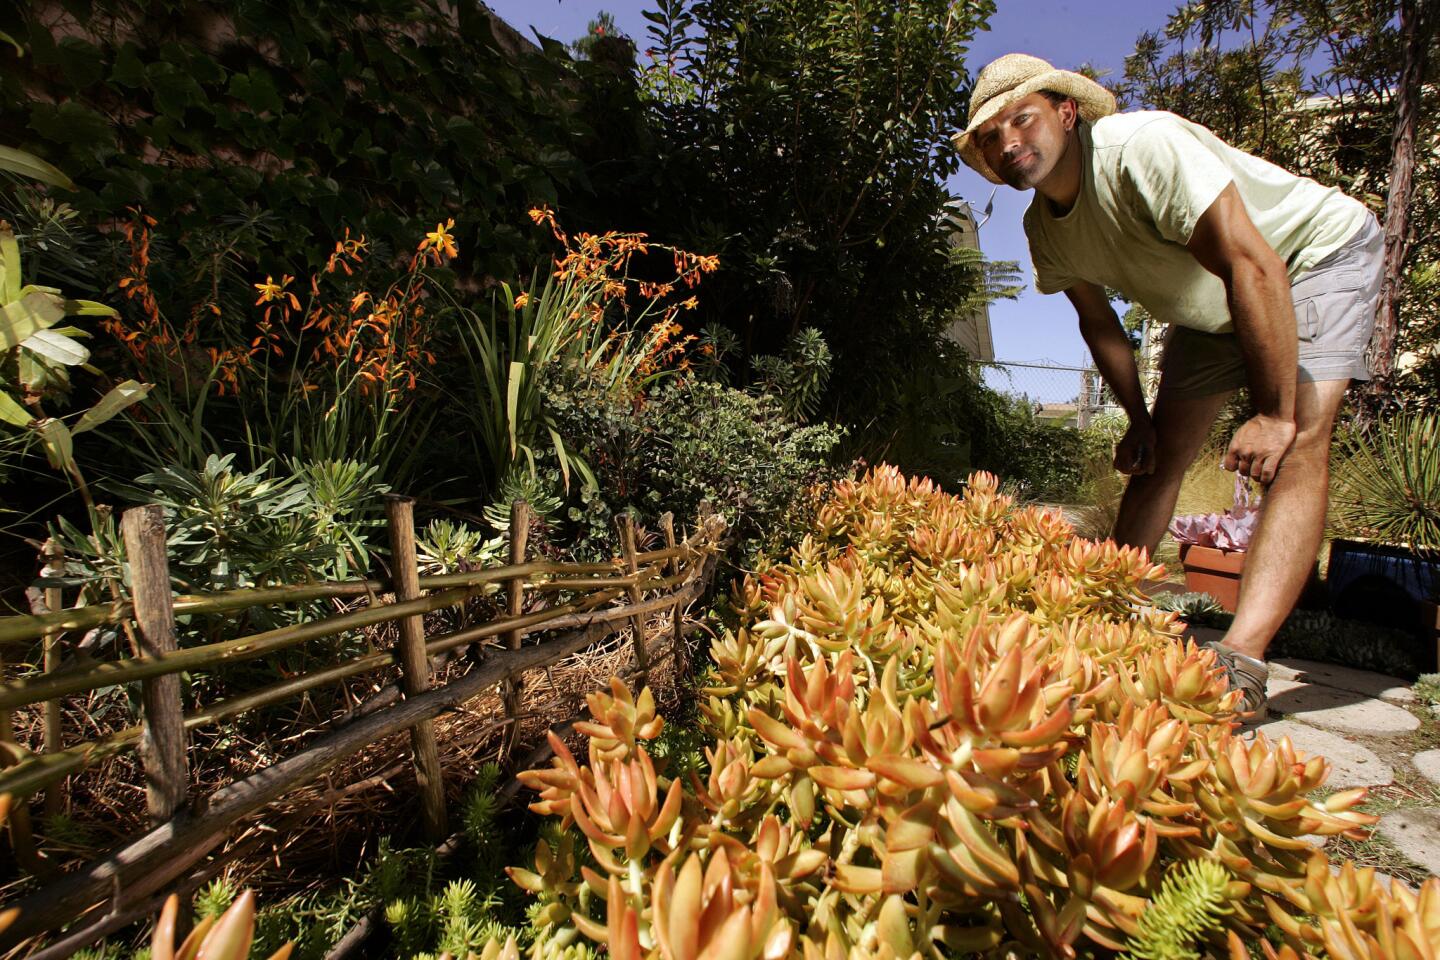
column 1247, row 675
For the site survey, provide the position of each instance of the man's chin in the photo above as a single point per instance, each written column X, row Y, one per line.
column 1018, row 179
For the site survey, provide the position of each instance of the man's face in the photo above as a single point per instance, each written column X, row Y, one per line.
column 1024, row 142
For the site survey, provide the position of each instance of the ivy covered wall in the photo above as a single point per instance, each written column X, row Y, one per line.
column 310, row 117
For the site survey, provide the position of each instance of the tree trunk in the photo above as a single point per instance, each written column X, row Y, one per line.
column 1417, row 20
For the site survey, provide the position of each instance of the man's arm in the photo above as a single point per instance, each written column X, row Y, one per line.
column 1115, row 359
column 1257, row 287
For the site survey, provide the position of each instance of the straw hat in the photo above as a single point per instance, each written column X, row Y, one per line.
column 1014, row 77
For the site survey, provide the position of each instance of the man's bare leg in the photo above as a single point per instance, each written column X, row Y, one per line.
column 1182, row 425
column 1292, row 523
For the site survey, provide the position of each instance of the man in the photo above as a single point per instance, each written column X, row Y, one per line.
column 1267, row 280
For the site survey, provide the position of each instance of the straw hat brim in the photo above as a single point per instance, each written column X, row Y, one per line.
column 1093, row 100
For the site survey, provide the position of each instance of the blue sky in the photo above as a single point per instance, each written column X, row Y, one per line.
column 1065, row 32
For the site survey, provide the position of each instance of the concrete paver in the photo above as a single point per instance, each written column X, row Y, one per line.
column 1428, row 763
column 1342, row 710
column 1416, row 831
column 1351, row 764
column 1371, row 684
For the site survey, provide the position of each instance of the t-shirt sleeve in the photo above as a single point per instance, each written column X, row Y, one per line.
column 1173, row 176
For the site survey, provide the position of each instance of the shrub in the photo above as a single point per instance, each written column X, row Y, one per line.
column 945, row 724
column 682, row 442
column 1047, row 460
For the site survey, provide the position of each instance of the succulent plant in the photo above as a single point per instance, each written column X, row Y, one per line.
column 946, row 726
column 1231, row 530
column 224, row 937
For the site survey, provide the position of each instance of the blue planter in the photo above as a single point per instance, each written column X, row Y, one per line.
column 1389, row 585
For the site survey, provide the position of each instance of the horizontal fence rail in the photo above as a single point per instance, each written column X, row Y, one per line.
column 582, row 604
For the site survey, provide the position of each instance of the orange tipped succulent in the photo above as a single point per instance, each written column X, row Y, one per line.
column 947, row 726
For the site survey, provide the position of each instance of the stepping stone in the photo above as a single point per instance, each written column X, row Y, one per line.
column 1428, row 763
column 1375, row 685
column 1335, row 709
column 1416, row 832
column 1351, row 764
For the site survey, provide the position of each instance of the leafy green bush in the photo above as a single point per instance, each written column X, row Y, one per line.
column 1427, row 688
column 682, row 442
column 1046, row 460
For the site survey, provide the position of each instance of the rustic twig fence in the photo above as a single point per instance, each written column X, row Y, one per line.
column 129, row 880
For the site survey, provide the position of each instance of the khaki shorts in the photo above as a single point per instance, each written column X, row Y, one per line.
column 1335, row 305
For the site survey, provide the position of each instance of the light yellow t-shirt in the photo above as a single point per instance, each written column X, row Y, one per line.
column 1147, row 178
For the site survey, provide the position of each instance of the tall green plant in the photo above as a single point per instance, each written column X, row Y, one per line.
column 809, row 142
column 1387, row 482
column 505, row 354
column 595, row 316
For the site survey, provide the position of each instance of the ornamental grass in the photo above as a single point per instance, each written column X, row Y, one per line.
column 945, row 726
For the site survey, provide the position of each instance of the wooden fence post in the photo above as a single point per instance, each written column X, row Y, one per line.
column 414, row 664
column 515, row 594
column 162, row 744
column 51, row 732
column 637, row 623
column 22, row 841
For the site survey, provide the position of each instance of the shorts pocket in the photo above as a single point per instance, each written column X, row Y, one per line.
column 1307, row 321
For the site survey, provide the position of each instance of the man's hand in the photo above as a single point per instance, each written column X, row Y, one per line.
column 1259, row 446
column 1135, row 453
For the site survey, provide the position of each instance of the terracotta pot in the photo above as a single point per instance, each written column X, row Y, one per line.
column 1212, row 571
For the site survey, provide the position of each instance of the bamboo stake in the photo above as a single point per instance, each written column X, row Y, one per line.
column 670, row 552
column 519, row 539
column 637, row 622
column 19, row 692
column 162, row 745
column 31, row 627
column 667, row 527
column 22, row 840
column 36, row 772
column 415, row 665
column 52, row 736
column 141, row 866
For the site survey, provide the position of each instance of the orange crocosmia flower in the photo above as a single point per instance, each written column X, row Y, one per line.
column 522, row 300
column 690, row 304
column 359, row 300
column 270, row 290
column 440, row 239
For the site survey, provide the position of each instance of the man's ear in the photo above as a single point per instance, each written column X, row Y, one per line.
column 1069, row 113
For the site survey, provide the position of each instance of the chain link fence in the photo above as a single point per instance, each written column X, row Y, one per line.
column 1073, row 396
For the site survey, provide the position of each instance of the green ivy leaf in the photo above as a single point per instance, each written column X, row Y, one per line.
column 128, row 70
column 257, row 90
